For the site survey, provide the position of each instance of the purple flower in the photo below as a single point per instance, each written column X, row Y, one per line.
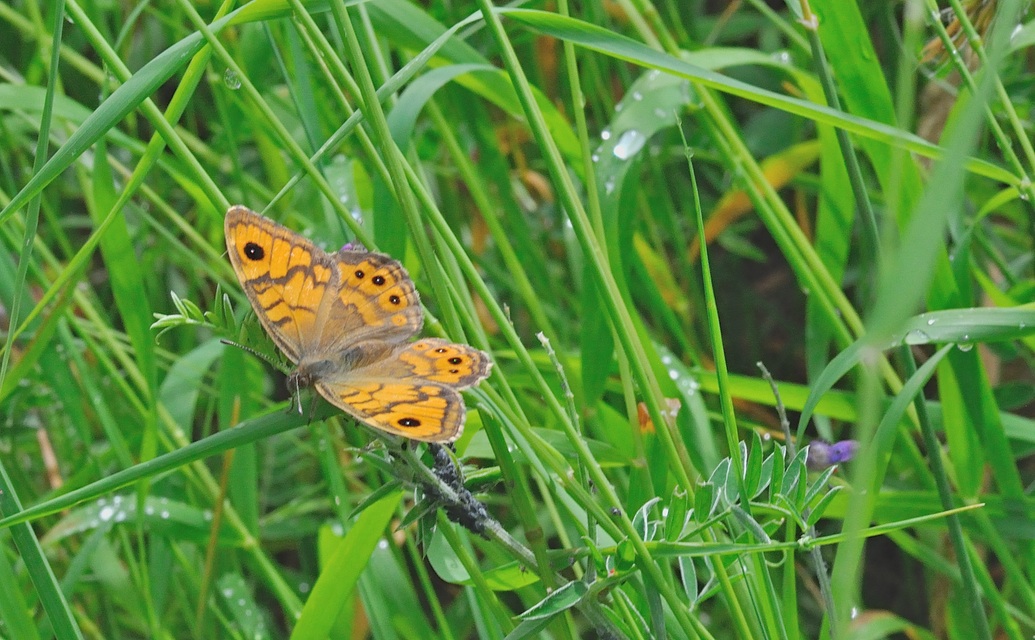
column 824, row 454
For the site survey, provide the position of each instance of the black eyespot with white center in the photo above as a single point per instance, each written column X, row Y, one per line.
column 440, row 350
column 456, row 360
column 253, row 251
column 378, row 280
column 394, row 299
column 360, row 274
column 408, row 422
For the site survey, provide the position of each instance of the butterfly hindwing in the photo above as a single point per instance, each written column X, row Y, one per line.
column 410, row 389
column 444, row 362
column 412, row 408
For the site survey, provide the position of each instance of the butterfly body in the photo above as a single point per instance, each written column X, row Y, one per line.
column 345, row 319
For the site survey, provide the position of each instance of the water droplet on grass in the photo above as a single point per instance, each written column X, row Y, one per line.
column 629, row 144
column 231, row 80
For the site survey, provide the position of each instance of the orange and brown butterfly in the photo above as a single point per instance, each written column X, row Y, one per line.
column 345, row 320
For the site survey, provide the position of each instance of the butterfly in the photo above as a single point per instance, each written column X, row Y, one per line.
column 345, row 320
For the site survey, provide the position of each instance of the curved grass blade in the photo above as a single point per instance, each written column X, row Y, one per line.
column 963, row 326
column 620, row 47
column 246, row 432
column 342, row 570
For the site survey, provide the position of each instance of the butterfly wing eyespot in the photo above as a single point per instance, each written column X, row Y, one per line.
column 253, row 251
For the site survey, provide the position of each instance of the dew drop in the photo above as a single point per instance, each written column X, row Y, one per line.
column 231, row 80
column 917, row 336
column 629, row 144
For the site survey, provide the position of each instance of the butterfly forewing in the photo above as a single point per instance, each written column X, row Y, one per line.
column 375, row 299
column 284, row 276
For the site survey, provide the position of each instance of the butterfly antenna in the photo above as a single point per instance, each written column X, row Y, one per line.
column 258, row 354
column 275, row 365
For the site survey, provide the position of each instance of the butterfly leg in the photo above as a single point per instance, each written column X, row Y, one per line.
column 312, row 407
column 296, row 394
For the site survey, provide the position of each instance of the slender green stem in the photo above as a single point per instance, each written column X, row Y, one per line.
column 956, row 534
